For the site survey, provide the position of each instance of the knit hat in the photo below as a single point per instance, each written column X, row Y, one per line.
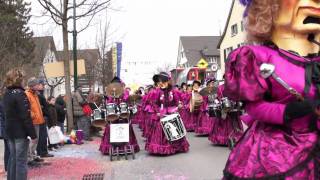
column 33, row 82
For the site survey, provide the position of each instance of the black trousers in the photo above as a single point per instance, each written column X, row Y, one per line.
column 42, row 148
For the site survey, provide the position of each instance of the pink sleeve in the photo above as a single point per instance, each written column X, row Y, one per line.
column 266, row 111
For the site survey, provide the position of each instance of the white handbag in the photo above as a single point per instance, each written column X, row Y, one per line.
column 55, row 135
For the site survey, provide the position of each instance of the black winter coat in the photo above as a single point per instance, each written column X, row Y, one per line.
column 2, row 122
column 60, row 108
column 53, row 116
column 44, row 107
column 18, row 122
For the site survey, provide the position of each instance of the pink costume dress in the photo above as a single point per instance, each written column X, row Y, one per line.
column 185, row 112
column 203, row 122
column 157, row 142
column 105, row 142
column 273, row 148
column 225, row 129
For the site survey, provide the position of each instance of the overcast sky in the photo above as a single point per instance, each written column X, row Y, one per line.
column 149, row 29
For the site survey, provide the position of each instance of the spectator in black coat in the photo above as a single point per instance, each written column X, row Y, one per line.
column 18, row 124
column 42, row 148
column 52, row 121
column 61, row 112
column 3, row 135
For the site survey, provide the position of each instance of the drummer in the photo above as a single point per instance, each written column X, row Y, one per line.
column 123, row 98
column 203, row 122
column 228, row 129
column 164, row 101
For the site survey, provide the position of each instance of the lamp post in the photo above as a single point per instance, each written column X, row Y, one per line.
column 75, row 64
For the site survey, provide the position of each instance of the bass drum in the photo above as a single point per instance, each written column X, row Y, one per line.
column 196, row 101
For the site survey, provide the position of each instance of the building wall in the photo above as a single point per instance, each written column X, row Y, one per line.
column 232, row 40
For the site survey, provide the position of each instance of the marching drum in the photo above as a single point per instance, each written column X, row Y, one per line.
column 214, row 110
column 196, row 102
column 226, row 103
column 111, row 112
column 124, row 110
column 98, row 118
column 173, row 127
column 133, row 109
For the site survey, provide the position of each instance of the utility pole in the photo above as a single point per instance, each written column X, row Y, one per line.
column 75, row 64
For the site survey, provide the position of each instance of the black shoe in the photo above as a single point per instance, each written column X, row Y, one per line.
column 37, row 159
column 47, row 155
column 33, row 164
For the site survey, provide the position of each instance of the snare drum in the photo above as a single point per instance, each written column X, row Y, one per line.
column 173, row 127
column 111, row 112
column 97, row 119
column 214, row 110
column 226, row 103
column 124, row 110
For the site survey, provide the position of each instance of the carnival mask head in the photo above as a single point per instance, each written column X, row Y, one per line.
column 298, row 16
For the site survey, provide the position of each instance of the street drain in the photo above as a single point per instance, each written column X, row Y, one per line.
column 97, row 176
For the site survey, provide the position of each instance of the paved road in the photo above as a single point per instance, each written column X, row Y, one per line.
column 203, row 162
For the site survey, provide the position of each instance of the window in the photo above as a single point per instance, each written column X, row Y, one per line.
column 234, row 30
column 242, row 26
column 228, row 51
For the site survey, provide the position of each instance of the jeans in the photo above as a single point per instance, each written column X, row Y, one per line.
column 6, row 154
column 83, row 124
column 32, row 154
column 61, row 125
column 17, row 167
column 42, row 147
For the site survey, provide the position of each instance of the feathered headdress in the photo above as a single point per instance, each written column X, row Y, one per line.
column 247, row 4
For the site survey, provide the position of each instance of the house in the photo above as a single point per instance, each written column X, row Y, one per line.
column 192, row 49
column 91, row 58
column 234, row 34
column 45, row 52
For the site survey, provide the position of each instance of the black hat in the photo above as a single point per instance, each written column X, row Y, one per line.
column 155, row 78
column 209, row 81
column 164, row 77
column 116, row 80
column 183, row 84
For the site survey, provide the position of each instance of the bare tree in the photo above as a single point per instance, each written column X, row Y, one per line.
column 59, row 13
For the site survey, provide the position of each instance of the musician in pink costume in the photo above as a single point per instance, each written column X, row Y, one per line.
column 226, row 128
column 185, row 109
column 283, row 139
column 165, row 101
column 105, row 142
column 204, row 123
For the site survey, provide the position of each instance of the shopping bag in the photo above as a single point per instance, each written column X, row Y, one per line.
column 55, row 135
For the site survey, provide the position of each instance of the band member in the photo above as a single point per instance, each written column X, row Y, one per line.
column 279, row 84
column 184, row 111
column 164, row 101
column 105, row 142
column 197, row 106
column 228, row 128
column 204, row 123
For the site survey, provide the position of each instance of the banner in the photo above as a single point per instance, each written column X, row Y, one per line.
column 119, row 58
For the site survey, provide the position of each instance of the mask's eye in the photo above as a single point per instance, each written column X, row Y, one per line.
column 311, row 20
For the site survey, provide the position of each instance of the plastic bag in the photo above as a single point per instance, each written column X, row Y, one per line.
column 55, row 135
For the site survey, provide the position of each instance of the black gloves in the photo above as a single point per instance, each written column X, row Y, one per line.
column 298, row 109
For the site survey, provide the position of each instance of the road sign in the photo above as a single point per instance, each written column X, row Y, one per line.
column 202, row 63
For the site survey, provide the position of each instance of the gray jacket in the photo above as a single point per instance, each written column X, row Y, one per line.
column 77, row 102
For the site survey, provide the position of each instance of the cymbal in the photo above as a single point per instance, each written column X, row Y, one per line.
column 114, row 90
column 206, row 91
column 134, row 98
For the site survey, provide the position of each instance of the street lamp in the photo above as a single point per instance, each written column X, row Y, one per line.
column 75, row 64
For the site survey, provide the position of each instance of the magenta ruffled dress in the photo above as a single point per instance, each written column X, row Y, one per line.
column 225, row 129
column 272, row 148
column 203, row 123
column 184, row 112
column 157, row 142
column 105, row 142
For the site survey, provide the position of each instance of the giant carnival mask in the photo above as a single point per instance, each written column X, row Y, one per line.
column 296, row 21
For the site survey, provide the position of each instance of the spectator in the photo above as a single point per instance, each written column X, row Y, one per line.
column 42, row 148
column 53, row 118
column 61, row 113
column 18, row 124
column 81, row 120
column 37, row 117
column 3, row 135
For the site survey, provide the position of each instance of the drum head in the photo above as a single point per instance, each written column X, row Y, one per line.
column 125, row 115
column 112, row 117
column 99, row 123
